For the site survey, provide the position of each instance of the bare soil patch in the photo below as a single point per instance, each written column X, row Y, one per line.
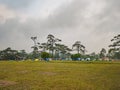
column 4, row 83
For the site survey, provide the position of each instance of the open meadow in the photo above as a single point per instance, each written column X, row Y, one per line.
column 59, row 75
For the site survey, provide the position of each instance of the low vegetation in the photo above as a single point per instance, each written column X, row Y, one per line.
column 59, row 75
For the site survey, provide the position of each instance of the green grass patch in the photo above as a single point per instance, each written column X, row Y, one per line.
column 59, row 75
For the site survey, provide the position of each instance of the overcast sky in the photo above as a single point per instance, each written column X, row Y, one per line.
column 93, row 22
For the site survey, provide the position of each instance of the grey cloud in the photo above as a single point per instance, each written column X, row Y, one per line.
column 16, row 3
column 109, row 20
column 67, row 22
column 7, row 28
column 11, row 35
column 67, row 16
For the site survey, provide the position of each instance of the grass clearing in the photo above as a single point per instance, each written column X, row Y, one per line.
column 59, row 75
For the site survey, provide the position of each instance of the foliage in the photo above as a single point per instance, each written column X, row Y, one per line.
column 35, row 55
column 45, row 55
column 114, row 51
column 102, row 53
column 116, row 42
column 62, row 51
column 43, row 46
column 117, row 55
column 75, row 56
column 51, row 43
column 94, row 56
column 79, row 47
column 9, row 54
column 35, row 47
column 57, row 50
column 114, row 55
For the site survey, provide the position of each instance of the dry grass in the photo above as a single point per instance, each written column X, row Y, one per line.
column 4, row 83
column 61, row 75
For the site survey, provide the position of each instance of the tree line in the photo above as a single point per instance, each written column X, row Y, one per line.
column 55, row 50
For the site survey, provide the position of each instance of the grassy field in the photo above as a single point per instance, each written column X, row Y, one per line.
column 59, row 75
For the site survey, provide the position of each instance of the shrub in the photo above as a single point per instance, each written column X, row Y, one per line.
column 76, row 56
column 45, row 55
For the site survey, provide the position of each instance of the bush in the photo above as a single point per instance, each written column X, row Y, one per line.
column 76, row 56
column 45, row 55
